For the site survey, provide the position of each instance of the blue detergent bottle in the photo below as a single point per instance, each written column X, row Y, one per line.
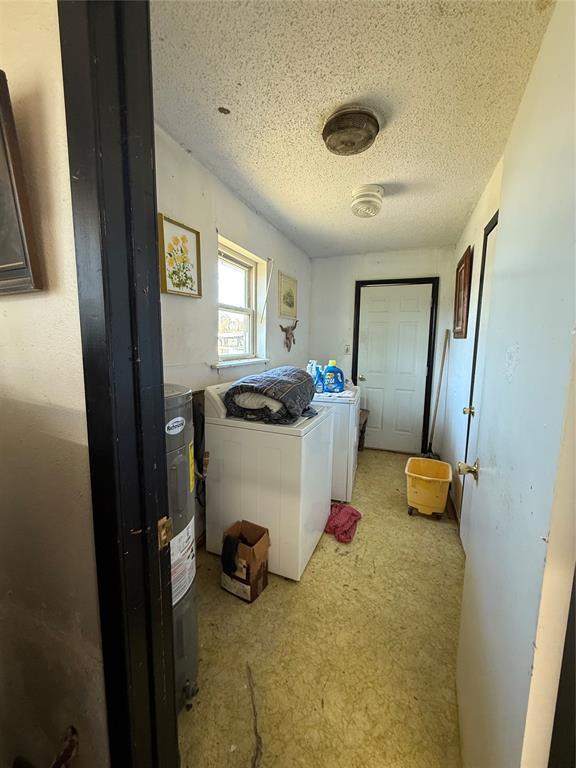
column 333, row 378
column 318, row 380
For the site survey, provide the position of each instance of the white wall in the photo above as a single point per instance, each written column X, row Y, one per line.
column 188, row 192
column 459, row 367
column 50, row 656
column 333, row 285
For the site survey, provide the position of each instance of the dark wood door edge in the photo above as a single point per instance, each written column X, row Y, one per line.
column 109, row 114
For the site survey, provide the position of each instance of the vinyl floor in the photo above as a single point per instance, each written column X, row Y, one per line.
column 354, row 666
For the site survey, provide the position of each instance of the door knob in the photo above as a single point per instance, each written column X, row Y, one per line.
column 361, row 377
column 469, row 410
column 469, row 469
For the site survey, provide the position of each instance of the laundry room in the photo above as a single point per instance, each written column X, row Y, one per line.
column 321, row 260
column 287, row 384
column 289, row 478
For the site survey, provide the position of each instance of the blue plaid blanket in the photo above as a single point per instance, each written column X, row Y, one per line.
column 292, row 387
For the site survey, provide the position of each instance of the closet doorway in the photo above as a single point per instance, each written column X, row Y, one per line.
column 478, row 360
column 394, row 331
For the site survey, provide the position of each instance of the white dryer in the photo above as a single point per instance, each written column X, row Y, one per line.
column 275, row 475
column 346, row 407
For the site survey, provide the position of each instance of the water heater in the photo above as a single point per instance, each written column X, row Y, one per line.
column 179, row 436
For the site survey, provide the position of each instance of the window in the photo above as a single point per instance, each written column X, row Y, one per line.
column 236, row 306
column 243, row 283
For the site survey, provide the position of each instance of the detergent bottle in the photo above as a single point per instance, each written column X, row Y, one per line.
column 318, row 380
column 333, row 378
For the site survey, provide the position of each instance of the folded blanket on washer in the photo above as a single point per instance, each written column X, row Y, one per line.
column 278, row 396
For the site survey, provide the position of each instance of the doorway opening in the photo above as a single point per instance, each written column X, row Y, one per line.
column 309, row 648
column 488, row 249
column 472, row 410
column 328, row 633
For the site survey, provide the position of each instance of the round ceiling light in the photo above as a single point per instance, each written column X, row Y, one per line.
column 350, row 131
column 367, row 200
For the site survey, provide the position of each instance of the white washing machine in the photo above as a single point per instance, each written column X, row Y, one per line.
column 275, row 475
column 346, row 407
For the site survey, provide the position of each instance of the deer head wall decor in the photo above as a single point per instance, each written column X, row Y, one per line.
column 288, row 331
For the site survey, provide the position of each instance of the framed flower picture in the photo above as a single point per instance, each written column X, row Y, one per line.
column 287, row 296
column 180, row 265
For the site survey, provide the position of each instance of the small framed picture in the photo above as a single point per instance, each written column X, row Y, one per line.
column 462, row 295
column 180, row 264
column 287, row 296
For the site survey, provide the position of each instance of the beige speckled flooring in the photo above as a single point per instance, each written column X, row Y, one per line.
column 353, row 667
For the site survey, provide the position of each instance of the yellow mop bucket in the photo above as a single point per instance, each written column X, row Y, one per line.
column 427, row 483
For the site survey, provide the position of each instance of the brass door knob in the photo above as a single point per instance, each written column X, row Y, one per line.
column 469, row 469
column 469, row 410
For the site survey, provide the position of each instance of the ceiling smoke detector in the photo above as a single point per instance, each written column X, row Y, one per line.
column 367, row 200
column 350, row 131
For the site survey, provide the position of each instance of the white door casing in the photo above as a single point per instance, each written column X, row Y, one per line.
column 392, row 363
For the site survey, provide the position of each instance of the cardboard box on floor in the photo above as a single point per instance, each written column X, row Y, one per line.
column 251, row 576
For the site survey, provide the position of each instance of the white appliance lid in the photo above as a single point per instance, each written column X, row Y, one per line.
column 299, row 428
column 213, row 402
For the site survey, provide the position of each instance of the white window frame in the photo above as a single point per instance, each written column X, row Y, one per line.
column 226, row 253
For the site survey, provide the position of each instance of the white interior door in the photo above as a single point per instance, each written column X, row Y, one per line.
column 468, row 485
column 392, row 363
column 506, row 632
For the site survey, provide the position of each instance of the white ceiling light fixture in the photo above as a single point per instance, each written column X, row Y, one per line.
column 367, row 200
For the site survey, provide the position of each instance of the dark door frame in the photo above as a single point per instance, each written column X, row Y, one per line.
column 435, row 283
column 109, row 114
column 488, row 229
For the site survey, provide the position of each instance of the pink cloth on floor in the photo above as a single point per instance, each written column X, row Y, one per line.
column 342, row 522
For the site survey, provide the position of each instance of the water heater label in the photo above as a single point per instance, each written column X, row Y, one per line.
column 175, row 426
column 183, row 560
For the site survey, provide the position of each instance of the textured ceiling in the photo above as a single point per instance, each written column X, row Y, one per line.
column 445, row 79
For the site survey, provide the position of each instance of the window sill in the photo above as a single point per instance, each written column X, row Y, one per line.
column 238, row 363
